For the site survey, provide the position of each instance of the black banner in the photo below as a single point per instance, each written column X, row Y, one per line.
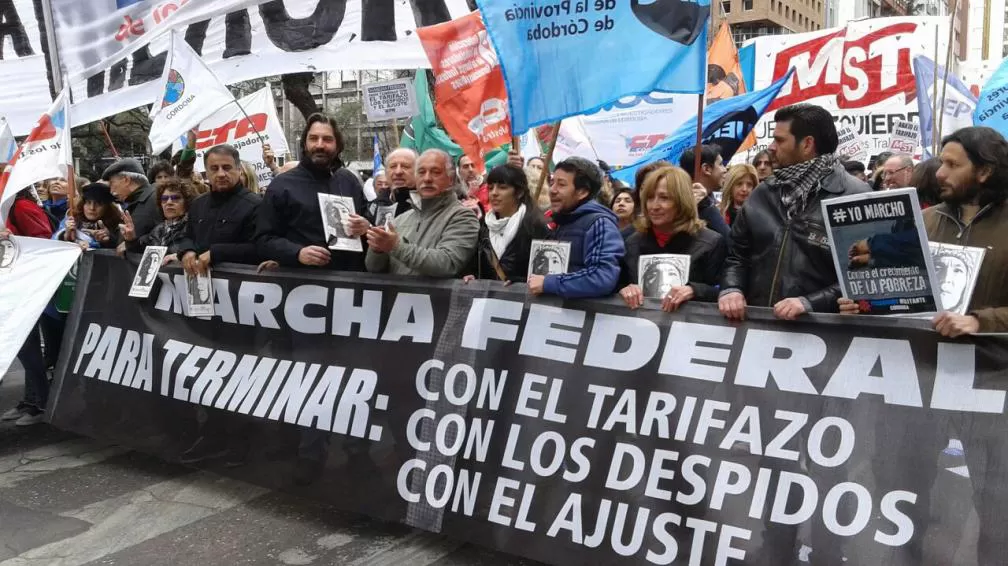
column 572, row 433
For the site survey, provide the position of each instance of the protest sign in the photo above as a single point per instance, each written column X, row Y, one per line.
column 567, row 432
column 905, row 138
column 471, row 99
column 863, row 73
column 229, row 125
column 880, row 252
column 956, row 272
column 851, row 146
column 542, row 47
column 389, row 100
column 32, row 270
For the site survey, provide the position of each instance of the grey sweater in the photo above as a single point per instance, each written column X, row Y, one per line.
column 437, row 240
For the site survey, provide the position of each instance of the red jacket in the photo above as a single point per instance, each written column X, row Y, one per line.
column 27, row 218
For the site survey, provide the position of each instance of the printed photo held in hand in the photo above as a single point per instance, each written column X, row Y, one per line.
column 336, row 211
column 199, row 294
column 881, row 252
column 146, row 273
column 956, row 271
column 549, row 257
column 660, row 273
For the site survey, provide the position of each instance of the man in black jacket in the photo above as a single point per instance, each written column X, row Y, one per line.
column 222, row 222
column 289, row 224
column 707, row 182
column 130, row 187
column 780, row 254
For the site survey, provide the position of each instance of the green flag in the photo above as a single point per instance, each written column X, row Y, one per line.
column 422, row 132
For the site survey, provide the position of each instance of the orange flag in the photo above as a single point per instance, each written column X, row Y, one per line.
column 470, row 97
column 724, row 74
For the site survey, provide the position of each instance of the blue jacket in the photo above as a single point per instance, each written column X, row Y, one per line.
column 596, row 250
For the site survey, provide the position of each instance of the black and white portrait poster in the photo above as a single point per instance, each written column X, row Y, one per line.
column 146, row 273
column 659, row 273
column 336, row 211
column 8, row 253
column 199, row 289
column 549, row 257
column 956, row 269
column 880, row 252
column 384, row 215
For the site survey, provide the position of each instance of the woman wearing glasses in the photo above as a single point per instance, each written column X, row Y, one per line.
column 174, row 197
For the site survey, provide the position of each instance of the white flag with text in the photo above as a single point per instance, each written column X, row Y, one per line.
column 191, row 92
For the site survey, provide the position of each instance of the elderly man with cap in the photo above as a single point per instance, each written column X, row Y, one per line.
column 596, row 246
column 129, row 185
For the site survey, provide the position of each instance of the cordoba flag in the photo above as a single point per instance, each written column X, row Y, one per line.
column 45, row 153
column 191, row 93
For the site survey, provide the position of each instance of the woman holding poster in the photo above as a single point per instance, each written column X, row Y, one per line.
column 670, row 225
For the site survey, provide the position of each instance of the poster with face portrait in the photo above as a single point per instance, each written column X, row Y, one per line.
column 956, row 270
column 659, row 273
column 199, row 289
column 548, row 257
column 146, row 273
column 384, row 215
column 8, row 253
column 336, row 211
column 880, row 252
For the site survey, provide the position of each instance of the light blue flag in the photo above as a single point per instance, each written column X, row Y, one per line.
column 377, row 157
column 726, row 123
column 958, row 107
column 992, row 106
column 570, row 57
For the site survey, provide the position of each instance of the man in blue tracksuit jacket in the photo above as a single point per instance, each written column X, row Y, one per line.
column 596, row 246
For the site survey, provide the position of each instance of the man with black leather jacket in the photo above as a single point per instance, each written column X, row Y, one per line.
column 780, row 254
column 221, row 223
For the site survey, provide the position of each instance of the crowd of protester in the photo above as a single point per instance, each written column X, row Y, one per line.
column 754, row 231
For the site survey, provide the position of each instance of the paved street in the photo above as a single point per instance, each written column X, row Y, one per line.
column 68, row 501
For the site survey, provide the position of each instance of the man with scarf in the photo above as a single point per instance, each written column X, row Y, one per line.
column 289, row 223
column 780, row 255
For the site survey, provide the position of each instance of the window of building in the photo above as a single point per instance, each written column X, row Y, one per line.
column 726, row 6
column 747, row 4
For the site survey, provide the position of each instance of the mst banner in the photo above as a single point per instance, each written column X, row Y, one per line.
column 863, row 73
column 574, row 433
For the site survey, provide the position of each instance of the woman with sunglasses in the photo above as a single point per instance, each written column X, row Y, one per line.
column 174, row 197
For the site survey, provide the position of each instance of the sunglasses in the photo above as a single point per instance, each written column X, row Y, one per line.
column 170, row 198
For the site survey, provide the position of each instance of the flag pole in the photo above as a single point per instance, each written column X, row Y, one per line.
column 108, row 139
column 948, row 64
column 249, row 120
column 699, row 136
column 934, row 98
column 549, row 158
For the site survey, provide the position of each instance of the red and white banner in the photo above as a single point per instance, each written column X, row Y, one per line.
column 230, row 126
column 31, row 270
column 863, row 73
column 470, row 97
column 45, row 154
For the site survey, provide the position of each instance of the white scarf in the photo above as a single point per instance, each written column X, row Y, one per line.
column 503, row 230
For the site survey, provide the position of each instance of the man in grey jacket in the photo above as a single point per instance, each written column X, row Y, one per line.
column 437, row 238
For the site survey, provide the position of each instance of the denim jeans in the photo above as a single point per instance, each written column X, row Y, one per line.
column 36, row 382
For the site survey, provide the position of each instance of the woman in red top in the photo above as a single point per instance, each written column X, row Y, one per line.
column 28, row 218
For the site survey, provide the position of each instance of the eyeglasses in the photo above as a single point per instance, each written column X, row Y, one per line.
column 888, row 173
column 171, row 198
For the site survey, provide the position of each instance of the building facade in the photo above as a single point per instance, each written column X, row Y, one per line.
column 755, row 18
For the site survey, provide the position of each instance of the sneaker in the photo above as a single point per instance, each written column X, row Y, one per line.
column 30, row 418
column 14, row 414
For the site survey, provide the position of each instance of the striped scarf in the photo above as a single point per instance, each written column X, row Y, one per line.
column 798, row 183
